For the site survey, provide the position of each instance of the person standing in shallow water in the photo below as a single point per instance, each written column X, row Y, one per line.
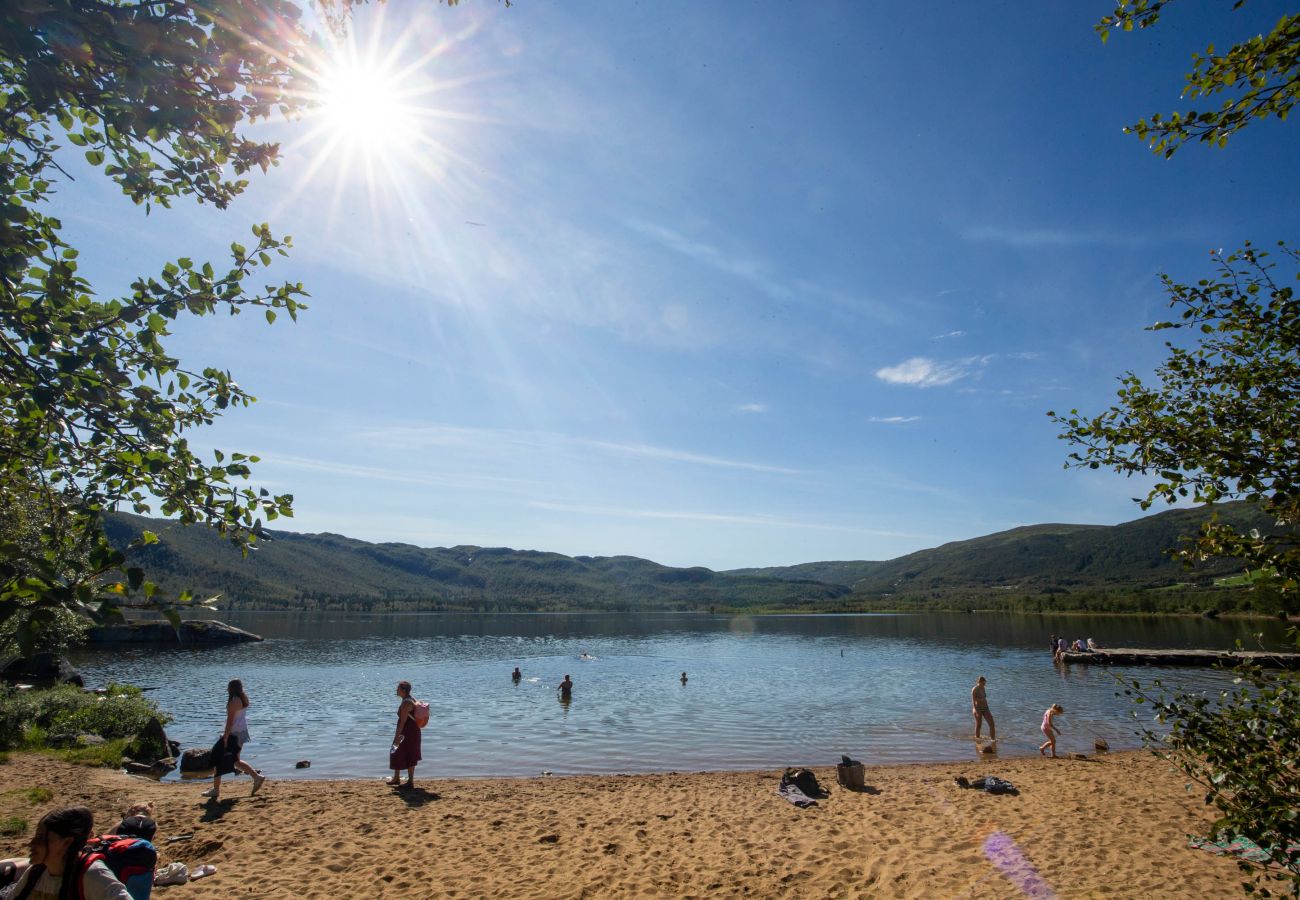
column 516, row 675
column 406, row 742
column 565, row 688
column 980, row 710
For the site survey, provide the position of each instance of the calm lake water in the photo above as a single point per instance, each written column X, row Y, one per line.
column 763, row 691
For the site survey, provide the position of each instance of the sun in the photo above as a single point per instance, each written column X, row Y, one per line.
column 362, row 105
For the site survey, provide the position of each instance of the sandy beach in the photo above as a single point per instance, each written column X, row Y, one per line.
column 1109, row 826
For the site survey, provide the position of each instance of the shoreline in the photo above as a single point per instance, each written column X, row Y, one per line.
column 1115, row 824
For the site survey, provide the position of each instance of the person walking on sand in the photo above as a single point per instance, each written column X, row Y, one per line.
column 1050, row 729
column 565, row 688
column 226, row 752
column 406, row 742
column 980, row 710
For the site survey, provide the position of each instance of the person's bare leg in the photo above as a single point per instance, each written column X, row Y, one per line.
column 978, row 723
column 396, row 779
column 410, row 777
column 993, row 729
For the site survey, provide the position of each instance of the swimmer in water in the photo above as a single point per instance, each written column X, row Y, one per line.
column 683, row 678
column 565, row 688
column 516, row 675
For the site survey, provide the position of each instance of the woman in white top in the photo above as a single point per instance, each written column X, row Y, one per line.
column 225, row 753
column 55, row 862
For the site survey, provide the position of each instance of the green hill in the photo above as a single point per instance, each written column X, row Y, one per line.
column 1123, row 567
column 329, row 571
column 1050, row 566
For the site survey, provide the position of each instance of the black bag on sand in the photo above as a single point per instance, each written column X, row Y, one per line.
column 805, row 781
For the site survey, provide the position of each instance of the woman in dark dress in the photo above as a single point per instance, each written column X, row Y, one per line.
column 406, row 742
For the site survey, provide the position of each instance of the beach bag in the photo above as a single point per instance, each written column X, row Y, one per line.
column 421, row 713
column 805, row 781
column 132, row 860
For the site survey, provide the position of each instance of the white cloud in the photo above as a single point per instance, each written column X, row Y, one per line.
column 948, row 334
column 894, row 420
column 923, row 372
column 753, row 407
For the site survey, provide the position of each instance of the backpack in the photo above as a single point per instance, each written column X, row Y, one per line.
column 131, row 859
column 805, row 781
column 421, row 713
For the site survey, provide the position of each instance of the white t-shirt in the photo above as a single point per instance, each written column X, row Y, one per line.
column 99, row 882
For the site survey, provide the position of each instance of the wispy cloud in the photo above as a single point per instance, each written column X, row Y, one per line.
column 407, row 437
column 716, row 518
column 948, row 334
column 758, row 275
column 372, row 473
column 894, row 420
column 753, row 407
column 1058, row 237
column 924, row 372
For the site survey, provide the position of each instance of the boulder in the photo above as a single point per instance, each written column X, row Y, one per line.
column 302, row 764
column 150, row 744
column 196, row 759
column 193, row 633
column 43, row 670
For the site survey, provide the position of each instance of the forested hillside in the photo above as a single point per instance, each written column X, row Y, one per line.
column 1122, row 567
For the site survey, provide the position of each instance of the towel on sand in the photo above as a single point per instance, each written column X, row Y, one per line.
column 1242, row 848
column 989, row 784
column 795, row 796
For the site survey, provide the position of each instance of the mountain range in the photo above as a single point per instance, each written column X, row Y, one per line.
column 1054, row 566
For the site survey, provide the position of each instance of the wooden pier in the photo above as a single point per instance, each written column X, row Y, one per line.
column 1126, row 656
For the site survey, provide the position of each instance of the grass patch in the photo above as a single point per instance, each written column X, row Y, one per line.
column 109, row 753
column 12, row 826
column 38, row 795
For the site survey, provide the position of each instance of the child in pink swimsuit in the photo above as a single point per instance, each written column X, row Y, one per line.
column 1050, row 729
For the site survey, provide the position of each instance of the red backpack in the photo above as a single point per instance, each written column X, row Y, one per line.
column 421, row 713
column 131, row 859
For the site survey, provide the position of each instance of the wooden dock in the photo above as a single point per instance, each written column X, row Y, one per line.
column 1127, row 656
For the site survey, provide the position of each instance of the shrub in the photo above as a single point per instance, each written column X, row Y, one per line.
column 12, row 826
column 29, row 718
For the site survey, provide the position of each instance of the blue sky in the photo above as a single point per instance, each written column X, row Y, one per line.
column 716, row 284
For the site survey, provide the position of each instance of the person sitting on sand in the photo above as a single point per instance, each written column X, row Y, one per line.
column 516, row 675
column 565, row 688
column 980, row 710
column 55, row 856
column 406, row 742
column 1050, row 729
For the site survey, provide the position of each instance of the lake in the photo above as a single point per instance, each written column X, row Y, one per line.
column 762, row 691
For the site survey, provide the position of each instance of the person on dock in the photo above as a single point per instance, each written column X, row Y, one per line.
column 1050, row 729
column 980, row 710
column 226, row 752
column 405, row 753
column 516, row 675
column 1053, row 646
column 565, row 688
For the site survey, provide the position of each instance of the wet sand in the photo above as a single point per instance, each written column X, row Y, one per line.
column 1109, row 826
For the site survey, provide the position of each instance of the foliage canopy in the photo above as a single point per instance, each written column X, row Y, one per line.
column 1261, row 75
column 94, row 413
column 1222, row 423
